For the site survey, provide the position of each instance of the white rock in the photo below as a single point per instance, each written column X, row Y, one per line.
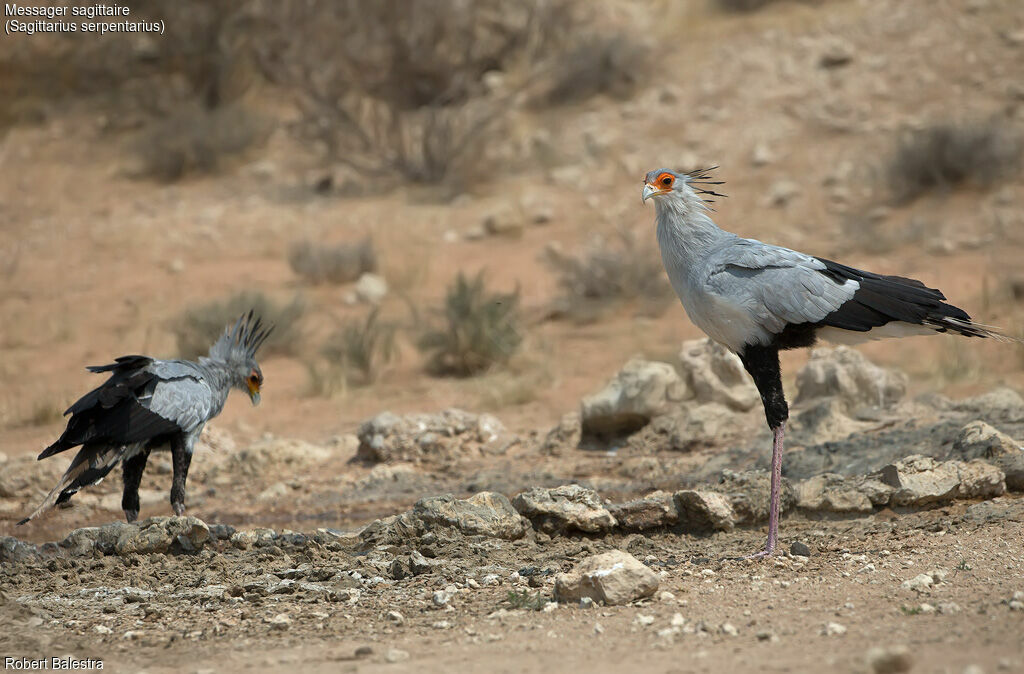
column 834, row 629
column 640, row 391
column 394, row 655
column 614, row 577
column 918, row 583
column 371, row 288
column 703, row 510
column 280, row 622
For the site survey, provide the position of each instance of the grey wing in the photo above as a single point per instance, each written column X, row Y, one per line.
column 776, row 286
column 185, row 399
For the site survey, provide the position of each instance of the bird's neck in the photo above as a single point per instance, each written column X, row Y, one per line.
column 685, row 231
column 218, row 376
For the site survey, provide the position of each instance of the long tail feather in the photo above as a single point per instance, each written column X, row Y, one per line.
column 90, row 465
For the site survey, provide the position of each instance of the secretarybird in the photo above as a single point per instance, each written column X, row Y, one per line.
column 149, row 404
column 757, row 299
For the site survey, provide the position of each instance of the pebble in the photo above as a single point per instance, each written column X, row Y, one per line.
column 918, row 583
column 799, row 549
column 644, row 620
column 396, row 617
column 280, row 622
column 729, row 629
column 834, row 630
column 598, row 629
column 586, row 602
column 102, row 629
column 889, row 660
column 393, row 655
column 442, row 625
column 363, row 651
column 440, row 598
column 666, row 596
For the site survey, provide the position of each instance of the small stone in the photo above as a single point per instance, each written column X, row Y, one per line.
column 102, row 629
column 666, row 596
column 614, row 577
column 926, row 608
column 442, row 625
column 371, row 288
column 394, row 655
column 550, row 606
column 363, row 651
column 799, row 549
column 889, row 660
column 834, row 629
column 586, row 602
column 396, row 617
column 439, row 598
column 765, row 635
column 644, row 620
column 280, row 622
column 598, row 629
column 729, row 630
column 704, row 510
column 918, row 583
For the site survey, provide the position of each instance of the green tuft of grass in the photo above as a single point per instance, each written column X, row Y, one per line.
column 476, row 330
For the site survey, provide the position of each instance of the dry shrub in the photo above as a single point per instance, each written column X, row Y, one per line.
column 198, row 328
column 397, row 87
column 392, row 87
column 476, row 329
column 945, row 155
column 609, row 64
column 196, row 140
column 608, row 272
column 343, row 263
column 354, row 354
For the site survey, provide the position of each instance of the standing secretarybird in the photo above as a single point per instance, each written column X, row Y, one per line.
column 758, row 299
column 149, row 404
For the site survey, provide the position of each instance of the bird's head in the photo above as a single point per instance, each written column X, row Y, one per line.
column 236, row 350
column 679, row 190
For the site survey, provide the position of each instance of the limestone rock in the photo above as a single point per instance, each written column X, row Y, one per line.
column 832, row 493
column 640, row 391
column 713, row 374
column 850, row 377
column 486, row 514
column 450, row 435
column 748, row 493
column 978, row 440
column 565, row 508
column 371, row 288
column 156, row 534
column 654, row 511
column 704, row 510
column 614, row 578
column 920, row 480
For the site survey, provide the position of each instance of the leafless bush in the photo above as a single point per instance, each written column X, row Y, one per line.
column 344, row 263
column 608, row 272
column 196, row 140
column 945, row 155
column 608, row 64
column 416, row 88
column 198, row 328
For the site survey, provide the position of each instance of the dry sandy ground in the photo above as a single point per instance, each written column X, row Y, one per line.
column 779, row 609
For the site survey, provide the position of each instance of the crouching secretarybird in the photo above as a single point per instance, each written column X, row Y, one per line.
column 758, row 299
column 149, row 404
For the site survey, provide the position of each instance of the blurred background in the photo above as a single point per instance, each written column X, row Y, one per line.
column 438, row 203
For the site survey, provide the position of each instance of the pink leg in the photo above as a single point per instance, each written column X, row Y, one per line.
column 776, row 489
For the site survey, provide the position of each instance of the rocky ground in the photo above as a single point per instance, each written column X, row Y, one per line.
column 621, row 544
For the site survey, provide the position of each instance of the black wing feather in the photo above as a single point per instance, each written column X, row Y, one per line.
column 884, row 299
column 111, row 413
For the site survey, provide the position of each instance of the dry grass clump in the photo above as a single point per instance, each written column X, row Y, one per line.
column 946, row 155
column 199, row 327
column 354, row 355
column 475, row 330
column 343, row 263
column 608, row 272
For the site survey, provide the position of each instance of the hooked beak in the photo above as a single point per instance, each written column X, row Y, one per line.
column 254, row 393
column 651, row 191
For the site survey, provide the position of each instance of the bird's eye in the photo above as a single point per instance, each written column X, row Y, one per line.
column 666, row 181
column 254, row 378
